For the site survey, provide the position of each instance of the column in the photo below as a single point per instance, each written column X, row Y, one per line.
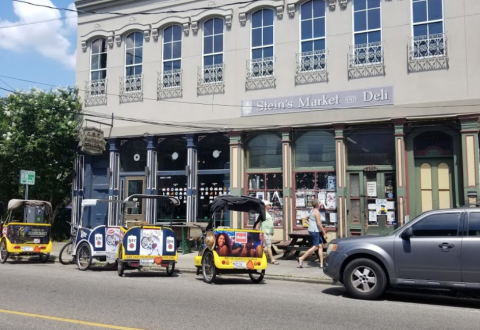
column 151, row 180
column 113, row 173
column 400, row 166
column 191, row 173
column 340, row 163
column 237, row 170
column 470, row 158
column 287, row 165
column 78, row 186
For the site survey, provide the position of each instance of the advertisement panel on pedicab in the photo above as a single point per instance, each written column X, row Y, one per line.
column 112, row 240
column 150, row 246
column 21, row 234
column 240, row 246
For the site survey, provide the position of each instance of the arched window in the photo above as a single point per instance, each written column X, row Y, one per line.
column 213, row 50
column 315, row 149
column 312, row 35
column 433, row 144
column 213, row 153
column 172, row 154
column 133, row 156
column 371, row 147
column 172, row 54
column 265, row 151
column 367, row 31
column 98, row 61
column 262, row 42
column 134, row 54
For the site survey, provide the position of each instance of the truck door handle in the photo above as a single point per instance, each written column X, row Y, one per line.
column 445, row 246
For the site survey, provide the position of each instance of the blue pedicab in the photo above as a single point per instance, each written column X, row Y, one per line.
column 97, row 234
column 147, row 244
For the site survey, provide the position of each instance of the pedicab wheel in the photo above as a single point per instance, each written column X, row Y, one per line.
column 170, row 268
column 209, row 271
column 257, row 277
column 65, row 255
column 120, row 268
column 84, row 257
column 3, row 252
column 44, row 257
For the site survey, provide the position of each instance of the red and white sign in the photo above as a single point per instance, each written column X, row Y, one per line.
column 241, row 237
column 4, row 231
column 98, row 240
column 170, row 244
column 131, row 243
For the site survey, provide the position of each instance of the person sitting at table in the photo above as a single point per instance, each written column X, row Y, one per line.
column 314, row 229
column 223, row 245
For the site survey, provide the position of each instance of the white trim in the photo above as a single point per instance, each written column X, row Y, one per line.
column 276, row 5
column 213, row 44
column 205, row 15
column 125, row 58
column 109, row 35
column 366, row 22
column 133, row 27
column 262, row 27
column 91, row 54
column 412, row 24
column 171, row 59
column 184, row 22
column 300, row 26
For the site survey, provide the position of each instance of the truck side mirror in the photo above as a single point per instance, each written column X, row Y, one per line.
column 407, row 234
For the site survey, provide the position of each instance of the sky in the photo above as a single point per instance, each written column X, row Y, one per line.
column 41, row 52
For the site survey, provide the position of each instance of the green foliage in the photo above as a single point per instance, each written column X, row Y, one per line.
column 38, row 132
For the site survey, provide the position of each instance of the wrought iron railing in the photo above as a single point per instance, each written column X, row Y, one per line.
column 311, row 67
column 260, row 73
column 210, row 79
column 428, row 46
column 428, row 52
column 131, row 88
column 96, row 92
column 169, row 84
column 366, row 60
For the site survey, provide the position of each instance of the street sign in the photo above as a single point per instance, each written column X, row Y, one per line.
column 27, row 177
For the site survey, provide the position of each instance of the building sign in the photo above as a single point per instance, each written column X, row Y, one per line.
column 335, row 100
column 92, row 141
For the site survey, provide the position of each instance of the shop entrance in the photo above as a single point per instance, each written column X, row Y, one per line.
column 434, row 185
column 371, row 208
column 135, row 185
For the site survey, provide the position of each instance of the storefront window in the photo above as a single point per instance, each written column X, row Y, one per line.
column 133, row 156
column 265, row 151
column 267, row 186
column 211, row 186
column 214, row 153
column 172, row 154
column 371, row 147
column 315, row 149
column 176, row 186
column 316, row 185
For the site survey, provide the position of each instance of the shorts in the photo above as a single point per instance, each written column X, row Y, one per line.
column 316, row 238
column 267, row 240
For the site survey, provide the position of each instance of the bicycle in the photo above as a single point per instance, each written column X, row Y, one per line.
column 68, row 249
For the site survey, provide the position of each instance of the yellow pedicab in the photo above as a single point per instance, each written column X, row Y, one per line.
column 232, row 251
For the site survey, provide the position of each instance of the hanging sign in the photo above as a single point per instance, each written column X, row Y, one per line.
column 91, row 141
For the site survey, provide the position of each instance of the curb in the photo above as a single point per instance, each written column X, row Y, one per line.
column 268, row 277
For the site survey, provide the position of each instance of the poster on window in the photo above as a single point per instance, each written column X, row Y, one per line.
column 381, row 206
column 331, row 201
column 372, row 189
column 332, row 182
column 322, row 196
column 390, row 217
column 300, row 199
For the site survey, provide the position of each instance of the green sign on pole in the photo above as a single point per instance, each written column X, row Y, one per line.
column 27, row 177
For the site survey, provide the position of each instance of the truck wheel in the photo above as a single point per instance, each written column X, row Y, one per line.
column 364, row 279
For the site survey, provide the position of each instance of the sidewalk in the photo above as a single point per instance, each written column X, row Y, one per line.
column 287, row 269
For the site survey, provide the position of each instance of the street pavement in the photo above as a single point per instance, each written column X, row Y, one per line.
column 287, row 269
column 51, row 296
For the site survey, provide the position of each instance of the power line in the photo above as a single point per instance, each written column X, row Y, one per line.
column 36, row 22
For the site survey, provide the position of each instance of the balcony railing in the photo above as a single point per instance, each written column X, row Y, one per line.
column 96, row 92
column 169, row 84
column 131, row 88
column 366, row 60
column 311, row 67
column 260, row 73
column 428, row 52
column 210, row 79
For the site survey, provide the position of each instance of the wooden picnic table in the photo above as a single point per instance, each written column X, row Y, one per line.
column 300, row 240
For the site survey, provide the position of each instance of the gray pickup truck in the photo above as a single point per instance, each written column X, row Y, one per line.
column 438, row 249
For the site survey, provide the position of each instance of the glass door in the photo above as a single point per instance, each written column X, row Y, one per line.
column 135, row 211
column 434, row 185
column 356, row 204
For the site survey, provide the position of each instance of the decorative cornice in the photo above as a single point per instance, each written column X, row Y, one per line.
column 291, row 10
column 109, row 35
column 206, row 14
column 343, row 3
column 171, row 20
column 332, row 4
column 277, row 5
column 145, row 28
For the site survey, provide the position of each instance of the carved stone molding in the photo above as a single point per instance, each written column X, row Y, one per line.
column 186, row 29
column 118, row 40
column 146, row 35
column 168, row 21
column 110, row 41
column 291, row 10
column 131, row 27
column 343, row 3
column 195, row 27
column 277, row 5
column 279, row 11
column 94, row 34
column 228, row 21
column 97, row 27
column 84, row 46
column 332, row 4
column 155, row 34
column 242, row 17
column 196, row 20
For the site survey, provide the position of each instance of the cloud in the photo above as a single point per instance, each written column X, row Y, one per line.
column 47, row 38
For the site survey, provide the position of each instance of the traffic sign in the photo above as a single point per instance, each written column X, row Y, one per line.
column 27, row 177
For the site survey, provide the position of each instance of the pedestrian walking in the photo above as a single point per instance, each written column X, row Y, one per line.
column 267, row 228
column 317, row 232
